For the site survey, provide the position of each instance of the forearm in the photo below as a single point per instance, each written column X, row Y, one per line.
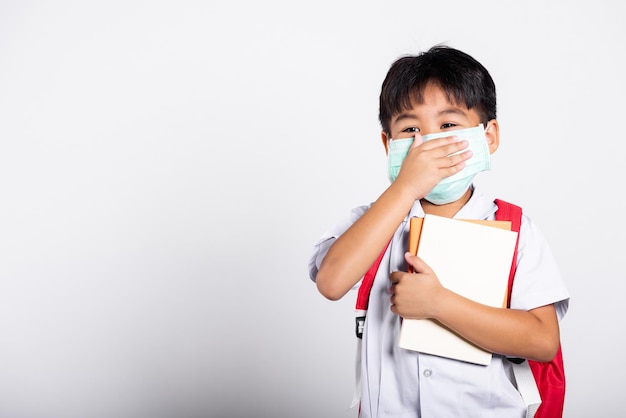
column 526, row 334
column 356, row 249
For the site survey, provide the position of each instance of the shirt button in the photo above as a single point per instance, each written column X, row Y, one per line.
column 428, row 373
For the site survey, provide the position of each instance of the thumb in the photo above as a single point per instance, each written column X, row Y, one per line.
column 416, row 264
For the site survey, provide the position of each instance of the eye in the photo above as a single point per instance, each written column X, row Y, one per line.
column 448, row 125
column 412, row 129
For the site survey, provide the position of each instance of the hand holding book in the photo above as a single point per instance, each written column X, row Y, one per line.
column 472, row 259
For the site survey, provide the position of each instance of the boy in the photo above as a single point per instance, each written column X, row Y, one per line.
column 424, row 100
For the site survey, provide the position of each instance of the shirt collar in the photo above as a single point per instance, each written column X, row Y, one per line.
column 478, row 207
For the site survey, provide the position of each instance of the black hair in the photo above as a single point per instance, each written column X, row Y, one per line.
column 463, row 79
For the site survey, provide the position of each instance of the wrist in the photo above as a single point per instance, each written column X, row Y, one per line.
column 440, row 302
column 404, row 192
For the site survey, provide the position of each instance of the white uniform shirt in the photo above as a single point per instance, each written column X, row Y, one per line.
column 399, row 383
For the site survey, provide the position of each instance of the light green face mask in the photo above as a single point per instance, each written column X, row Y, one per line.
column 450, row 188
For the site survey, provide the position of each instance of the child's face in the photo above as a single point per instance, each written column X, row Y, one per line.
column 437, row 114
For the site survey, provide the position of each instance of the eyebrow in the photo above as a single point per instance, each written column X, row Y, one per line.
column 444, row 112
column 403, row 116
column 453, row 111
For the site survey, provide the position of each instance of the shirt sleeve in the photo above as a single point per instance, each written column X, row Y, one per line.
column 323, row 244
column 538, row 281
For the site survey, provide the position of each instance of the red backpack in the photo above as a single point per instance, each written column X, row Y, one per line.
column 549, row 376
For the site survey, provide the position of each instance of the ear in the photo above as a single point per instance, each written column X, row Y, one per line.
column 385, row 139
column 493, row 135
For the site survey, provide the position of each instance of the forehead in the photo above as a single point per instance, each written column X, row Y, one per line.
column 432, row 101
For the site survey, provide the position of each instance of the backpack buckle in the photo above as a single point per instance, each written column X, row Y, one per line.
column 360, row 325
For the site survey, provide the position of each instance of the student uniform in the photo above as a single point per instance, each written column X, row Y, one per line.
column 399, row 383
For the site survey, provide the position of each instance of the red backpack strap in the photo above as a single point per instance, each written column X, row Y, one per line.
column 549, row 376
column 513, row 213
column 362, row 300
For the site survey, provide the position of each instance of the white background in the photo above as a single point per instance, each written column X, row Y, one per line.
column 166, row 166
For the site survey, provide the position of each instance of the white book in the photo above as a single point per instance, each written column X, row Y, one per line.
column 471, row 259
